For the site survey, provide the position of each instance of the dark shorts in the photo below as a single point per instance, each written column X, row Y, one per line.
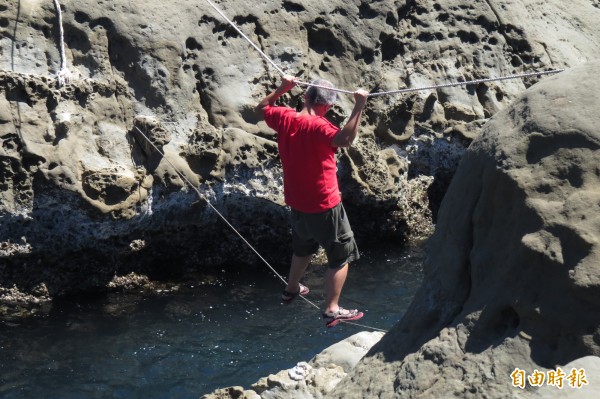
column 330, row 229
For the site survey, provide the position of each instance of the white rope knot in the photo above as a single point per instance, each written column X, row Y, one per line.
column 64, row 77
column 300, row 371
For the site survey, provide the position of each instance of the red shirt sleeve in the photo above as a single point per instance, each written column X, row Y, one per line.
column 272, row 116
column 326, row 131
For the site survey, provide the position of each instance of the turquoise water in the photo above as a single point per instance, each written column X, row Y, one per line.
column 231, row 330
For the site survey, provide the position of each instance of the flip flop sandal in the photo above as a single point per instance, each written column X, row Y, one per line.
column 288, row 297
column 334, row 318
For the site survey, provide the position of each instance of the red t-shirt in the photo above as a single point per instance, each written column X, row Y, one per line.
column 310, row 182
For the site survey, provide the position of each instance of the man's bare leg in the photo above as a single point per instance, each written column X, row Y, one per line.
column 334, row 282
column 299, row 265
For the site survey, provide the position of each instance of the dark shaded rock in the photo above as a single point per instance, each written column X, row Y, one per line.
column 512, row 279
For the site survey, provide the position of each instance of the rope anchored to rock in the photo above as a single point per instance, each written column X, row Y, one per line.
column 64, row 75
column 390, row 92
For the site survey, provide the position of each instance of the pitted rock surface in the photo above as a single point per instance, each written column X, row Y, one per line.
column 78, row 185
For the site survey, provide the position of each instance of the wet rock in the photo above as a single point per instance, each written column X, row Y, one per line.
column 348, row 352
column 16, row 304
column 312, row 380
column 315, row 384
column 129, row 282
column 231, row 393
column 8, row 249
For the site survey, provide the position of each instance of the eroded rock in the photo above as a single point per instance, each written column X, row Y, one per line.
column 512, row 277
column 312, row 380
column 80, row 186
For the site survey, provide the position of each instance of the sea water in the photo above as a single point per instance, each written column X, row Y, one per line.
column 228, row 328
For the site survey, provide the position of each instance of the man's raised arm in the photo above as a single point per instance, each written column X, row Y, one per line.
column 345, row 137
column 287, row 83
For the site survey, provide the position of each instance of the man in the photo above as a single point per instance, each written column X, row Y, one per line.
column 307, row 145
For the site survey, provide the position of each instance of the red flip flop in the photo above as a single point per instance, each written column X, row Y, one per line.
column 334, row 318
column 288, row 297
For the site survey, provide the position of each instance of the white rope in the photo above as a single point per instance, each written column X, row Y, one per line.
column 63, row 76
column 266, row 57
column 235, row 230
column 211, row 206
column 468, row 82
column 302, row 83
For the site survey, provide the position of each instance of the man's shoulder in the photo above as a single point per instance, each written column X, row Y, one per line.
column 275, row 115
column 274, row 109
column 323, row 124
column 324, row 121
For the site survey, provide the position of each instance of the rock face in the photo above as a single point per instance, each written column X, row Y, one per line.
column 313, row 380
column 513, row 274
column 84, row 197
